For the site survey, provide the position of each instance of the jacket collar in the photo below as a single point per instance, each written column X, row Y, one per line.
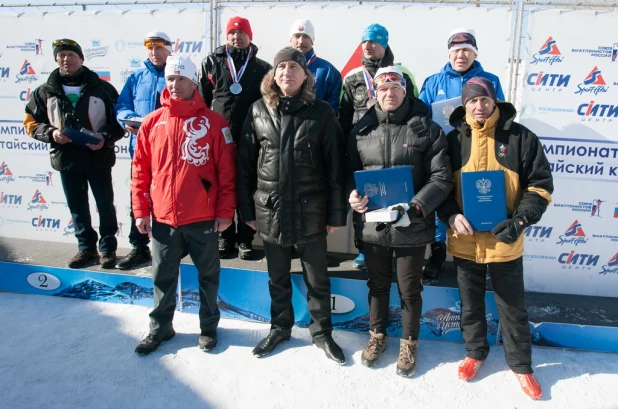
column 180, row 107
column 54, row 83
column 475, row 69
column 386, row 61
column 414, row 109
column 151, row 67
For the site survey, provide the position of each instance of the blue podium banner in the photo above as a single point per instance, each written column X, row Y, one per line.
column 385, row 187
column 484, row 198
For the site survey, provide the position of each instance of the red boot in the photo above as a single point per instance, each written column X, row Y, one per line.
column 530, row 385
column 468, row 368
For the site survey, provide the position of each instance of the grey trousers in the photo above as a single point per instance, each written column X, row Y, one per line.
column 168, row 244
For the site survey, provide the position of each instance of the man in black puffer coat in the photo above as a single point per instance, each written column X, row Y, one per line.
column 397, row 132
column 290, row 188
column 229, row 90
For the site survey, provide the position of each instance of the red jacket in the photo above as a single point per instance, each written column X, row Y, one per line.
column 184, row 167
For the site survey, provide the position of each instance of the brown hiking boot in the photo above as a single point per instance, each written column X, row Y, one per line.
column 406, row 365
column 373, row 350
column 108, row 259
column 82, row 258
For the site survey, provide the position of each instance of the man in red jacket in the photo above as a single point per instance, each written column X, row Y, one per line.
column 184, row 174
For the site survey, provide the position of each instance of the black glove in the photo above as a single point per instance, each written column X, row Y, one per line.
column 508, row 231
column 414, row 211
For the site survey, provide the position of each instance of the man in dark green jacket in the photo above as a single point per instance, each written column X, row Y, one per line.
column 73, row 98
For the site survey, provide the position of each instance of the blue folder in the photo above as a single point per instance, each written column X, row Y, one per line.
column 484, row 198
column 385, row 187
column 80, row 138
column 442, row 110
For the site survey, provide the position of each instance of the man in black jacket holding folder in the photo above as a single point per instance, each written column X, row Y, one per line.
column 487, row 138
column 75, row 97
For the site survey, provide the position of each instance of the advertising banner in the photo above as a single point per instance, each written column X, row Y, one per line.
column 32, row 202
column 570, row 100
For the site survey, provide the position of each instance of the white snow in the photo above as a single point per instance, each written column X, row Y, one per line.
column 64, row 353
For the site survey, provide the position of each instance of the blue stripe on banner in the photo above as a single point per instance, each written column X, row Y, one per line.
column 11, row 121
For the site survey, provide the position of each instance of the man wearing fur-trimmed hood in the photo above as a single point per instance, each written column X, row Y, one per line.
column 290, row 189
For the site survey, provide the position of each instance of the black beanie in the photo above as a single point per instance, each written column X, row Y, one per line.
column 477, row 87
column 291, row 54
column 65, row 47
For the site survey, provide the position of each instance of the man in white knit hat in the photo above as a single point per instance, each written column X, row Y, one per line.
column 184, row 178
column 448, row 83
column 139, row 97
column 327, row 77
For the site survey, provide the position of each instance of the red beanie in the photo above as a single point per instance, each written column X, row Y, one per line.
column 239, row 23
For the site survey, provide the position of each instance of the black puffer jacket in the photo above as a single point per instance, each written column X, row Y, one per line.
column 290, row 171
column 215, row 80
column 50, row 109
column 354, row 93
column 404, row 137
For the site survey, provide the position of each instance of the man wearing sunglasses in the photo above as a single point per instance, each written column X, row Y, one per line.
column 395, row 132
column 139, row 97
column 74, row 98
column 229, row 81
column 447, row 84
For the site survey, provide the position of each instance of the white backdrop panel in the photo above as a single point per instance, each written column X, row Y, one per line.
column 113, row 46
column 570, row 100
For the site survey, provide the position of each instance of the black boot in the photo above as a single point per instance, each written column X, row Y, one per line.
column 436, row 260
column 152, row 342
column 136, row 257
column 268, row 344
column 207, row 341
column 330, row 348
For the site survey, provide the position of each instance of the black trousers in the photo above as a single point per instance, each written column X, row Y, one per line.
column 315, row 272
column 75, row 185
column 507, row 280
column 379, row 261
column 244, row 235
column 168, row 244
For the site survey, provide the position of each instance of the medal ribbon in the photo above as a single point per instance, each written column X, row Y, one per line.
column 371, row 94
column 230, row 64
column 312, row 59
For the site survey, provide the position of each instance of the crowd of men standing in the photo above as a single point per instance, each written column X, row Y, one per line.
column 238, row 146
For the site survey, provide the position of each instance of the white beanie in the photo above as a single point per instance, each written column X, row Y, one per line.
column 179, row 65
column 160, row 35
column 392, row 69
column 302, row 27
column 456, row 43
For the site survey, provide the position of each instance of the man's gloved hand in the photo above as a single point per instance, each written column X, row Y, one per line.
column 414, row 211
column 508, row 231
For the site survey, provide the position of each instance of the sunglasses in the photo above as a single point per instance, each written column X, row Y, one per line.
column 64, row 41
column 389, row 77
column 156, row 43
column 462, row 38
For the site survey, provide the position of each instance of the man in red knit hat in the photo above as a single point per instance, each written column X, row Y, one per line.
column 229, row 81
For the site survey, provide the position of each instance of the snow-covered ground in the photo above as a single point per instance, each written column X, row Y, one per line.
column 65, row 353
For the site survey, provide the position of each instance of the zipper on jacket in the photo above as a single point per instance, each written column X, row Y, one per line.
column 311, row 155
column 388, row 144
column 264, row 152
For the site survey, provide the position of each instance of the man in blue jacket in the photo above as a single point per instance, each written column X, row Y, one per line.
column 327, row 77
column 447, row 84
column 139, row 97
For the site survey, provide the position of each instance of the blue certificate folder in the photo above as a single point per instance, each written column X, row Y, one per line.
column 80, row 138
column 484, row 198
column 442, row 110
column 385, row 187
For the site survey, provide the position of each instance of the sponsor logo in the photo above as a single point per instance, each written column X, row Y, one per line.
column 45, row 224
column 502, row 151
column 69, row 230
column 596, row 207
column 546, row 82
column 614, row 52
column 26, row 73
column 124, row 75
column 597, row 112
column 195, row 129
column 49, row 178
column 8, row 200
column 5, row 173
column 38, row 202
column 538, row 233
column 531, row 110
column 35, row 46
column 25, row 95
column 120, row 45
column 188, row 47
column 601, row 51
column 573, row 235
column 96, row 50
column 5, row 73
column 578, row 261
column 135, row 62
column 584, row 207
column 594, row 83
column 611, row 267
column 548, row 53
column 38, row 178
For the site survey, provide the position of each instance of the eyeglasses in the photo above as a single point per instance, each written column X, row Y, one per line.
column 155, row 42
column 389, row 77
column 64, row 41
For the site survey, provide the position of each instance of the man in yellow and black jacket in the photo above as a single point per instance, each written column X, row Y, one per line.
column 487, row 138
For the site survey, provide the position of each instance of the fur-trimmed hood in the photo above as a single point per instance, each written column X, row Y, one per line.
column 272, row 93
